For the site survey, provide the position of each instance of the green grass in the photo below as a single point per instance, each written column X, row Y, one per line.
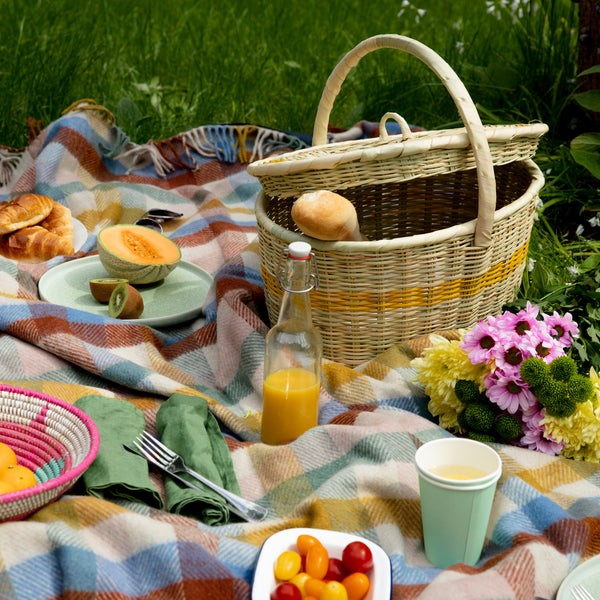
column 165, row 67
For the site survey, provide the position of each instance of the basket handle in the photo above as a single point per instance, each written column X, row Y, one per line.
column 483, row 159
column 404, row 126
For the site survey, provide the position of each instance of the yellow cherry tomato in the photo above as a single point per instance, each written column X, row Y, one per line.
column 287, row 565
column 357, row 585
column 305, row 542
column 333, row 590
column 299, row 581
column 317, row 562
column 313, row 587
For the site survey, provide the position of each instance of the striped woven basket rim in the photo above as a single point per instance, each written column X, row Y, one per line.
column 38, row 412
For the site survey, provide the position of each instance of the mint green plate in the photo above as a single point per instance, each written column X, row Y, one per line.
column 586, row 574
column 177, row 298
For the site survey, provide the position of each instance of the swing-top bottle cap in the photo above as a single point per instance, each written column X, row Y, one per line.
column 299, row 250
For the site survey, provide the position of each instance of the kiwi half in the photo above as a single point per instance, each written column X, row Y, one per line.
column 125, row 302
column 101, row 289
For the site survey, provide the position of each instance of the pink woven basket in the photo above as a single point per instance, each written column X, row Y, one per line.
column 56, row 440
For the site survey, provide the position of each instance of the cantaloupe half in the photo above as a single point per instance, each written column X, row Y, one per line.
column 136, row 253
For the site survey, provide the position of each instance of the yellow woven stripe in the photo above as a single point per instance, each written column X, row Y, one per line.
column 413, row 297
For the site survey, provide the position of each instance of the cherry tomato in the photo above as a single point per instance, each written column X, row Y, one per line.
column 299, row 581
column 287, row 565
column 357, row 556
column 317, row 562
column 336, row 570
column 333, row 590
column 313, row 587
column 305, row 542
column 357, row 585
column 286, row 591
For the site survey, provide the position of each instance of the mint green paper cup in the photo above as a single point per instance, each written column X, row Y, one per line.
column 456, row 512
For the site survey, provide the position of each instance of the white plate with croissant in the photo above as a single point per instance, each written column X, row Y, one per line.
column 36, row 228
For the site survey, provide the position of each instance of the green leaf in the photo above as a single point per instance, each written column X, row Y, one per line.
column 590, row 263
column 585, row 149
column 589, row 100
column 590, row 71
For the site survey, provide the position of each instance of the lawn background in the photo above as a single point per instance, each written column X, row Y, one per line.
column 164, row 67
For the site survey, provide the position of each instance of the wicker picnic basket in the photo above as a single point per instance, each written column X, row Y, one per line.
column 448, row 215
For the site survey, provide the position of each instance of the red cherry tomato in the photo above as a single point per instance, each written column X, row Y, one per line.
column 286, row 591
column 336, row 570
column 357, row 557
column 317, row 562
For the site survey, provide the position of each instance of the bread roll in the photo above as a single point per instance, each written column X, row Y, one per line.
column 34, row 244
column 326, row 216
column 23, row 211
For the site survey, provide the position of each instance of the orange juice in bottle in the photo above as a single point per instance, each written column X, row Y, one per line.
column 292, row 371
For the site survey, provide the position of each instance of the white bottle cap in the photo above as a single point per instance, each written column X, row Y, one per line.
column 299, row 250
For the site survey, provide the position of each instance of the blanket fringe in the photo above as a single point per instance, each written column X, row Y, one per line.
column 9, row 159
column 227, row 143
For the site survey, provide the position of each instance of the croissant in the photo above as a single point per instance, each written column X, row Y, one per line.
column 59, row 221
column 34, row 243
column 24, row 210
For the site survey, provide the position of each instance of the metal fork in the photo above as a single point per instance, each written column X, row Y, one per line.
column 580, row 593
column 163, row 457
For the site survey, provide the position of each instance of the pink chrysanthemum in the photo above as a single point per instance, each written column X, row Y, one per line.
column 524, row 321
column 479, row 341
column 510, row 352
column 533, row 434
column 564, row 329
column 509, row 392
column 540, row 343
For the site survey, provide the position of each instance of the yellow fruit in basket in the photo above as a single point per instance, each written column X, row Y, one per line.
column 7, row 456
column 18, row 477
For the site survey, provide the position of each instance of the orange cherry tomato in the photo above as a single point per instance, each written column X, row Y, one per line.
column 313, row 587
column 317, row 562
column 287, row 565
column 305, row 542
column 333, row 590
column 357, row 585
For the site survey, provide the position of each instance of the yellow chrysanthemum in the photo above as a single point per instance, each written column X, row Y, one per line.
column 580, row 432
column 439, row 368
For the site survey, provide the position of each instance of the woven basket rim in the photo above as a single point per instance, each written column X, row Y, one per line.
column 414, row 241
column 335, row 154
column 74, row 472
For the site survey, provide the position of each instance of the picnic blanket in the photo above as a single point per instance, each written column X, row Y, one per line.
column 355, row 472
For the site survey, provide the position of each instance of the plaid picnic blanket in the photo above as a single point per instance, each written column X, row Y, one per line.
column 355, row 472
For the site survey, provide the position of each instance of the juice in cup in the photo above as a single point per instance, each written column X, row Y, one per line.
column 290, row 405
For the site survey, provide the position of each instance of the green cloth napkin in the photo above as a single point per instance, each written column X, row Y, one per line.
column 185, row 425
column 117, row 473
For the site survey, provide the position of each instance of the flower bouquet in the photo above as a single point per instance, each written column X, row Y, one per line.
column 509, row 379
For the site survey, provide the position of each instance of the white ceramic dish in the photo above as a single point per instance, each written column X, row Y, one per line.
column 264, row 583
column 80, row 234
column 586, row 574
column 178, row 298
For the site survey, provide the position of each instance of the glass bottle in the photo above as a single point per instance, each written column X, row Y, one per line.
column 292, row 372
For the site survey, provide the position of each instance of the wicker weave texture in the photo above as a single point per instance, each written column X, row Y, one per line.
column 52, row 438
column 447, row 215
column 405, row 284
